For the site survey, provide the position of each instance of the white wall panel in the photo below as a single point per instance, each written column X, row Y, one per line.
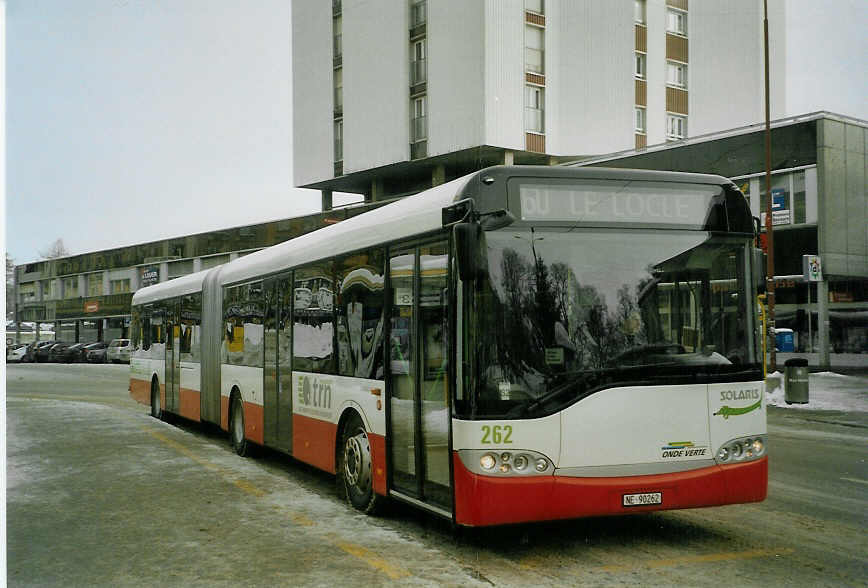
column 504, row 73
column 595, row 76
column 376, row 76
column 725, row 72
column 455, row 76
column 312, row 115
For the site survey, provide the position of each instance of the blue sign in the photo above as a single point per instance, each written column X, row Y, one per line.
column 779, row 199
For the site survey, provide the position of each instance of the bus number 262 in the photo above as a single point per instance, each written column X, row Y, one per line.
column 497, row 434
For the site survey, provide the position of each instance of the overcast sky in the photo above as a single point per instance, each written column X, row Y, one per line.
column 134, row 120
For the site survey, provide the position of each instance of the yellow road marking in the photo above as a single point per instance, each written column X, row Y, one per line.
column 357, row 551
column 707, row 558
column 372, row 560
column 244, row 485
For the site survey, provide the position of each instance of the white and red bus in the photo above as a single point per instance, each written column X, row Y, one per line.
column 519, row 344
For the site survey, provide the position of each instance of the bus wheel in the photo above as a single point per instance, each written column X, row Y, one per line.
column 236, row 427
column 156, row 409
column 355, row 467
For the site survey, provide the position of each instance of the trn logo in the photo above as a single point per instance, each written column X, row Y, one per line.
column 315, row 392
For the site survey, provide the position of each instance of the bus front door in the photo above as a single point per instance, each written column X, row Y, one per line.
column 419, row 348
column 173, row 359
column 277, row 375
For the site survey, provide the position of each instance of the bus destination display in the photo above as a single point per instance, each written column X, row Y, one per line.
column 631, row 203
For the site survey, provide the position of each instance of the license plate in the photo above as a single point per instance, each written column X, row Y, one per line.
column 644, row 499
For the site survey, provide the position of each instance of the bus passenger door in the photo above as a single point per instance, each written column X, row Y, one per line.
column 173, row 358
column 277, row 374
column 418, row 391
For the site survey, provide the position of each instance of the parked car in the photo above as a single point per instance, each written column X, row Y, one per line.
column 73, row 353
column 56, row 352
column 95, row 352
column 15, row 352
column 119, row 351
column 41, row 349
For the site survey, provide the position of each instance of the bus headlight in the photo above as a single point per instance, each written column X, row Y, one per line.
column 506, row 463
column 742, row 449
column 758, row 446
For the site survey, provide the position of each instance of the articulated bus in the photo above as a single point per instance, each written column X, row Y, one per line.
column 520, row 344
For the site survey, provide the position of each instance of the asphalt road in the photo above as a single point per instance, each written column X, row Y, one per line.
column 100, row 494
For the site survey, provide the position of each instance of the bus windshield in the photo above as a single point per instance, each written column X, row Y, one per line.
column 566, row 312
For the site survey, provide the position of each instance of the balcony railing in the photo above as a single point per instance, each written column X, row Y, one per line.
column 419, row 150
column 418, row 71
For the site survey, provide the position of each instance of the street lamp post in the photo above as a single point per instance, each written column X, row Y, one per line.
column 770, row 248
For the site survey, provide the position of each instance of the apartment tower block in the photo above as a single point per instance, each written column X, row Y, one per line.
column 393, row 96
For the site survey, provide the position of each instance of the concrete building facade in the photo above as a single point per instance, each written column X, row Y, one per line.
column 87, row 297
column 392, row 96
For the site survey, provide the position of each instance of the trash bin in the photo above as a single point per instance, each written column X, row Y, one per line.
column 796, row 381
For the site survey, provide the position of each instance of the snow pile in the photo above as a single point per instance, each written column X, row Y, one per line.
column 827, row 391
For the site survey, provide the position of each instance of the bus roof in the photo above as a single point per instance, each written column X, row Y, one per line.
column 413, row 215
column 182, row 286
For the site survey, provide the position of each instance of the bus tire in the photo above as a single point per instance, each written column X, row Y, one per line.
column 236, row 426
column 355, row 474
column 156, row 408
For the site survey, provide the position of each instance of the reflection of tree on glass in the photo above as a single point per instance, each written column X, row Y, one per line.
column 560, row 321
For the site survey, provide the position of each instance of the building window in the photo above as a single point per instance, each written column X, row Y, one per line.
column 537, row 6
column 534, row 109
column 639, row 71
column 418, row 71
column 418, row 126
column 337, row 32
column 639, row 11
column 418, row 13
column 534, row 49
column 676, row 126
column 676, row 22
column 676, row 74
column 339, row 90
column 70, row 287
column 339, row 140
column 640, row 119
column 94, row 284
column 119, row 286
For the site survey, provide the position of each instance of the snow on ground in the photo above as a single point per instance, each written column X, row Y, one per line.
column 826, row 391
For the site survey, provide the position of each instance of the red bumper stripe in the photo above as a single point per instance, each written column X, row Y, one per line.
column 488, row 500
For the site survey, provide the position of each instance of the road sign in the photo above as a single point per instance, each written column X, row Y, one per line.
column 811, row 268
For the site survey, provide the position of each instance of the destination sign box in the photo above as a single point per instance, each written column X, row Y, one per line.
column 617, row 202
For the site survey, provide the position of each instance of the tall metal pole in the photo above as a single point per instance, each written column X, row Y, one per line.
column 770, row 240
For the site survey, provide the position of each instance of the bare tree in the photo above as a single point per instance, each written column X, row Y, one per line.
column 10, row 288
column 56, row 249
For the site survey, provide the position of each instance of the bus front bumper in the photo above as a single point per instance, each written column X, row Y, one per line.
column 489, row 500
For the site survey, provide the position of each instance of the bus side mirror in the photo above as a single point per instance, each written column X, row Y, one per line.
column 470, row 251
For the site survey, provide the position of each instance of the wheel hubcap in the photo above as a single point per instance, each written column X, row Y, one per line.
column 357, row 461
